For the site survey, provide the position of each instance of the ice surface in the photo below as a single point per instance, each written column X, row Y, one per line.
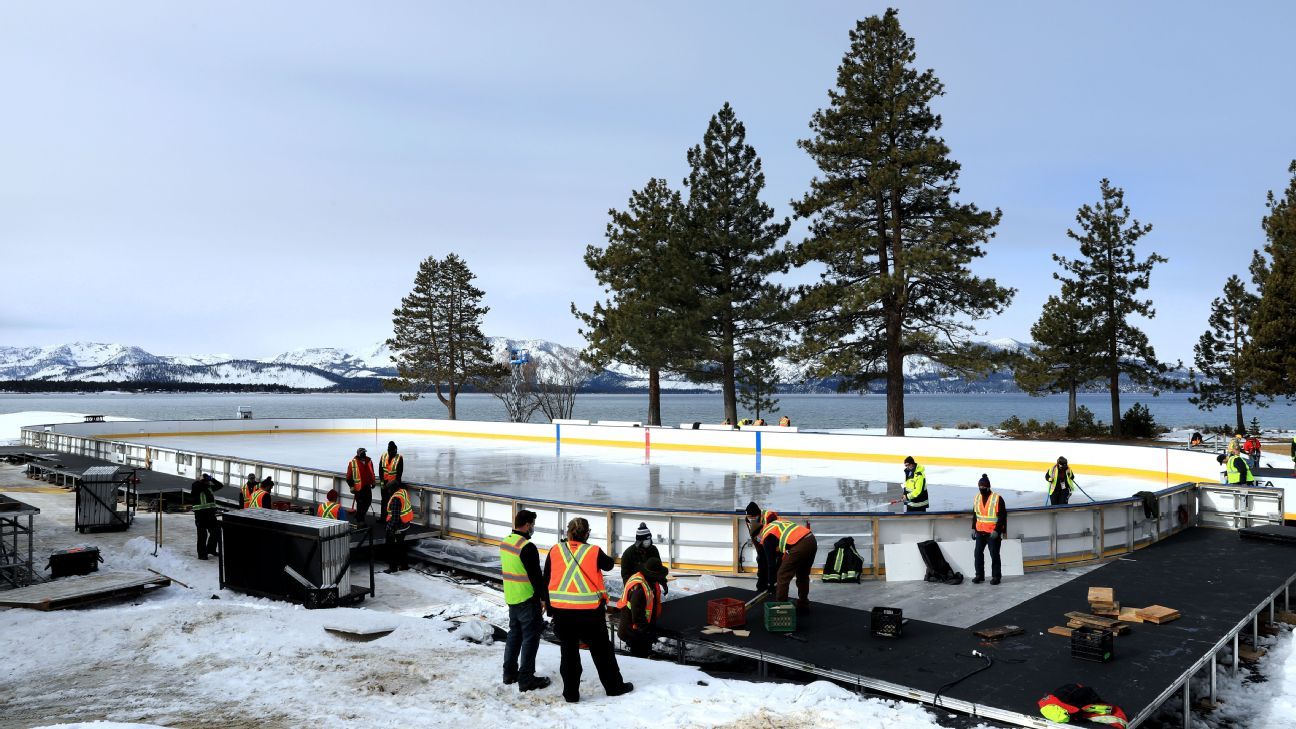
column 664, row 480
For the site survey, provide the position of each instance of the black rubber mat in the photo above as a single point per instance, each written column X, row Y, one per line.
column 1214, row 578
column 1282, row 534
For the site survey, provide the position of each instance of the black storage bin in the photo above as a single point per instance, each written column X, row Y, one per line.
column 74, row 561
column 256, row 545
column 1093, row 644
column 887, row 622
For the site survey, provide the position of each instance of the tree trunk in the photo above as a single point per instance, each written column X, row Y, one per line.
column 654, row 396
column 1237, row 403
column 450, row 402
column 728, row 375
column 1115, row 402
column 1071, row 404
column 895, row 377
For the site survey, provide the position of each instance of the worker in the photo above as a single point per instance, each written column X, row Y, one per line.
column 790, row 550
column 577, row 603
column 526, row 593
column 1195, row 440
column 330, row 509
column 1061, row 482
column 360, row 477
column 726, row 422
column 759, row 421
column 400, row 514
column 785, row 422
column 637, row 555
column 1235, row 469
column 641, row 607
column 915, row 486
column 1235, row 444
column 755, row 520
column 246, row 492
column 257, row 499
column 391, row 471
column 991, row 528
column 1253, row 449
column 203, row 493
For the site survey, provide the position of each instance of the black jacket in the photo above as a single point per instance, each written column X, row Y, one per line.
column 633, row 559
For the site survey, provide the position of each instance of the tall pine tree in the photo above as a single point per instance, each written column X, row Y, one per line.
column 884, row 224
column 648, row 317
column 732, row 248
column 1271, row 359
column 1219, row 352
column 1058, row 361
column 1109, row 277
column 437, row 343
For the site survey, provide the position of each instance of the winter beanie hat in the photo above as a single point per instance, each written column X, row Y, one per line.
column 984, row 483
column 753, row 509
column 643, row 533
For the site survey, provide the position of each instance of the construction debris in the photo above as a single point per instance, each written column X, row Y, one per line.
column 997, row 633
column 1102, row 601
column 1084, row 620
column 1059, row 630
column 1158, row 614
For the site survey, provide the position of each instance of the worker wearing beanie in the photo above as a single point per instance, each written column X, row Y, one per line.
column 203, row 493
column 991, row 518
column 637, row 555
column 245, row 493
column 641, row 606
column 915, row 486
column 391, row 473
column 330, row 509
column 755, row 523
column 360, row 477
column 1061, row 481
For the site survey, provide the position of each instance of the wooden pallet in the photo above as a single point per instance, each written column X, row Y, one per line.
column 71, row 592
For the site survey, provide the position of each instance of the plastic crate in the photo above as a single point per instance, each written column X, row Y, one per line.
column 887, row 622
column 727, row 612
column 780, row 617
column 1092, row 644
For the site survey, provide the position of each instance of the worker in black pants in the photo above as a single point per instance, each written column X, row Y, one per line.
column 203, row 493
column 991, row 529
column 754, row 521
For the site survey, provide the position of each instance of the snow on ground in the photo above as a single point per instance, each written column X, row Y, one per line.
column 11, row 424
column 178, row 657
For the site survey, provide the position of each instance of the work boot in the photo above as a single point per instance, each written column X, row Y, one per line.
column 996, row 580
column 978, row 579
column 510, row 679
column 575, row 699
column 803, row 606
column 535, row 684
column 392, row 571
column 626, row 687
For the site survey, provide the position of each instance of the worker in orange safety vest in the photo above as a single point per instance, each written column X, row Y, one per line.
column 391, row 474
column 991, row 526
column 790, row 551
column 400, row 514
column 360, row 477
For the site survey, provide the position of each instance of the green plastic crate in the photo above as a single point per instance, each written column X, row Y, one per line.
column 780, row 617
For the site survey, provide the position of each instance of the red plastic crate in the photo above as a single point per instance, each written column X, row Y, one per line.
column 727, row 612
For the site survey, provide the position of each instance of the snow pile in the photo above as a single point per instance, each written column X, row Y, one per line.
column 11, row 424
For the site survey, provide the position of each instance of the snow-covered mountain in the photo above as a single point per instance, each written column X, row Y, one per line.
column 360, row 369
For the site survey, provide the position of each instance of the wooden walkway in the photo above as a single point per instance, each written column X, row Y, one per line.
column 71, row 592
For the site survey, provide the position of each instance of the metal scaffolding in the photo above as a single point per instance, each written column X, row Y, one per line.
column 16, row 566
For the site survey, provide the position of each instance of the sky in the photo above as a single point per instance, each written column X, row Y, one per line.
column 253, row 178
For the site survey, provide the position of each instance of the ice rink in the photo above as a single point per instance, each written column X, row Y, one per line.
column 661, row 479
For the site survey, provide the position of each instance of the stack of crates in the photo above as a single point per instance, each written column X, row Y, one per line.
column 780, row 617
column 256, row 544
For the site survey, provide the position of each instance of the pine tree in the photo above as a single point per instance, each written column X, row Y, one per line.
column 1271, row 359
column 884, row 224
column 1219, row 352
column 1058, row 361
column 437, row 343
column 647, row 318
column 757, row 377
column 1109, row 277
column 732, row 246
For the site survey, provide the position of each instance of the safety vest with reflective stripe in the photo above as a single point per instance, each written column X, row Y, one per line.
column 652, row 596
column 575, row 582
column 787, row 533
column 785, row 421
column 1231, row 464
column 1052, row 477
column 406, row 512
column 246, row 492
column 517, row 586
column 987, row 511
column 205, row 499
column 388, row 465
column 916, row 488
column 328, row 510
column 256, row 499
column 357, row 470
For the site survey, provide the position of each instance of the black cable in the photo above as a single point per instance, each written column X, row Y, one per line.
column 974, row 654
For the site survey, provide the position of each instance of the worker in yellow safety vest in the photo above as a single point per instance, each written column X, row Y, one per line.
column 574, row 573
column 1061, row 481
column 785, row 421
column 641, row 606
column 991, row 527
column 1236, row 469
column 400, row 514
column 915, row 486
column 790, row 550
column 330, row 509
column 526, row 593
column 391, row 474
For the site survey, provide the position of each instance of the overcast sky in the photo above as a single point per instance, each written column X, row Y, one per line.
column 256, row 177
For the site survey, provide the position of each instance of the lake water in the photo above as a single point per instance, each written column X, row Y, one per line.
column 806, row 411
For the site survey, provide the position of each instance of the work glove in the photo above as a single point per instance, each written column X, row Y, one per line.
column 665, row 588
column 995, row 536
column 974, row 535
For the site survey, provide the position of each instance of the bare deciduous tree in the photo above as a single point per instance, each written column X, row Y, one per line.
column 556, row 392
column 517, row 389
